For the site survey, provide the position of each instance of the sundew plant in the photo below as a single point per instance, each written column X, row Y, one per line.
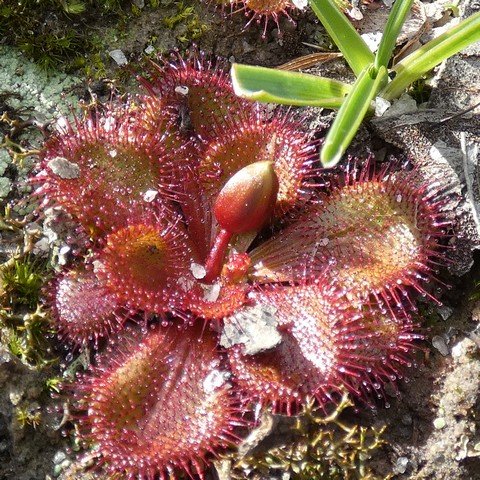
column 194, row 209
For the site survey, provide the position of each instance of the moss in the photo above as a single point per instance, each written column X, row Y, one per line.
column 24, row 325
column 22, row 281
column 420, row 91
column 75, row 35
column 27, row 336
column 186, row 21
column 428, row 315
column 53, row 384
column 324, row 447
column 28, row 417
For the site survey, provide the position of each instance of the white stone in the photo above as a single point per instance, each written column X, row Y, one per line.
column 181, row 90
column 214, row 380
column 119, row 57
column 198, row 271
column 150, row 195
column 63, row 168
column 211, row 292
column 300, row 4
column 381, row 106
column 372, row 40
column 150, row 49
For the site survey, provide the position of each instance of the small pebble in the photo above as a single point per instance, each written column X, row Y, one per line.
column 300, row 4
column 59, row 457
column 181, row 90
column 150, row 195
column 401, row 465
column 445, row 312
column 119, row 57
column 211, row 292
column 439, row 423
column 150, row 49
column 63, row 168
column 439, row 343
column 198, row 271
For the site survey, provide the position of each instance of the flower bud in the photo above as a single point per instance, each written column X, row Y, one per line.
column 247, row 200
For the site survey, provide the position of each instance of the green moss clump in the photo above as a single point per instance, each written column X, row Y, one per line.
column 28, row 417
column 187, row 21
column 24, row 326
column 323, row 448
column 22, row 282
column 70, row 35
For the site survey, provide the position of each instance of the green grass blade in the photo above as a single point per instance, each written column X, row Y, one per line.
column 351, row 114
column 350, row 43
column 431, row 54
column 395, row 21
column 287, row 88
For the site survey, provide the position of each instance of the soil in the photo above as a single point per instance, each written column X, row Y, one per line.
column 432, row 422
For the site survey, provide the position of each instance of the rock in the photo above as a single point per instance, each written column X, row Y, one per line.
column 24, row 451
column 401, row 465
column 59, row 457
column 440, row 344
column 119, row 57
column 63, row 168
column 454, row 424
column 255, row 327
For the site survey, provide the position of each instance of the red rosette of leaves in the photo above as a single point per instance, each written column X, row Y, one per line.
column 103, row 168
column 382, row 234
column 160, row 406
column 265, row 10
column 84, row 310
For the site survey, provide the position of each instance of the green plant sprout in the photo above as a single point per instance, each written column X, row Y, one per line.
column 375, row 76
column 53, row 384
column 28, row 417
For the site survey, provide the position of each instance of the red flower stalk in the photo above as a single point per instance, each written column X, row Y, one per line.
column 161, row 406
column 326, row 345
column 380, row 232
column 147, row 265
column 101, row 169
column 243, row 205
column 84, row 310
